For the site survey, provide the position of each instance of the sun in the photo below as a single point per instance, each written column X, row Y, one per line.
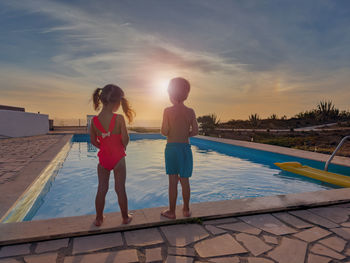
column 161, row 88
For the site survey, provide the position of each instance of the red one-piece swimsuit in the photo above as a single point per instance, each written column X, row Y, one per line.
column 111, row 147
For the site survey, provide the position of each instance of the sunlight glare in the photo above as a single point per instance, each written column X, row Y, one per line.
column 161, row 88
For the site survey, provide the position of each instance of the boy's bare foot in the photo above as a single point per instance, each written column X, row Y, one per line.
column 186, row 213
column 168, row 214
column 126, row 221
column 98, row 221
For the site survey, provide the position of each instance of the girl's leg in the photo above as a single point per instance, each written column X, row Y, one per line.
column 186, row 194
column 119, row 179
column 103, row 180
column 173, row 181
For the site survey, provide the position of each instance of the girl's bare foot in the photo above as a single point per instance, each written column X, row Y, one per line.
column 186, row 213
column 168, row 214
column 126, row 221
column 98, row 221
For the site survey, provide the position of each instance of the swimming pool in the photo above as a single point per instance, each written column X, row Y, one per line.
column 221, row 172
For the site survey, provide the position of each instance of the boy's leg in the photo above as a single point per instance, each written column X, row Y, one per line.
column 173, row 181
column 119, row 179
column 186, row 194
column 103, row 180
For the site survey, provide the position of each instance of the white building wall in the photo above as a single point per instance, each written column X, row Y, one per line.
column 19, row 123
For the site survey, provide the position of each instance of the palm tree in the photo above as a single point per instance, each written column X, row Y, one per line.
column 273, row 117
column 208, row 123
column 326, row 110
column 254, row 120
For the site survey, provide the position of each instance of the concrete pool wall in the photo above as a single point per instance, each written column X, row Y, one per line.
column 12, row 233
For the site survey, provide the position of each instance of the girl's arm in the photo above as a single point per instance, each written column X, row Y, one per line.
column 194, row 125
column 165, row 124
column 93, row 135
column 124, row 131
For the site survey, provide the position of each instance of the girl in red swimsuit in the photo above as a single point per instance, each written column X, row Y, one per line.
column 108, row 133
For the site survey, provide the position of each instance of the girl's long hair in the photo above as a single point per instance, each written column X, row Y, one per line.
column 112, row 94
column 96, row 98
column 129, row 112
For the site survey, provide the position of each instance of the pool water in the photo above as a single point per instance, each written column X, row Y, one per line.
column 221, row 172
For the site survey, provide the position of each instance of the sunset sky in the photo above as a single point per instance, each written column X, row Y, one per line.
column 241, row 57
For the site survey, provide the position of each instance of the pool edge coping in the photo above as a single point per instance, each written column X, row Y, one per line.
column 11, row 232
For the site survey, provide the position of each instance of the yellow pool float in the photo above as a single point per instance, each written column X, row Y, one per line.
column 324, row 176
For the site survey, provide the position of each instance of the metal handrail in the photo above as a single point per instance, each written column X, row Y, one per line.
column 335, row 151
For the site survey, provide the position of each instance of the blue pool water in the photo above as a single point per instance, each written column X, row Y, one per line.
column 221, row 172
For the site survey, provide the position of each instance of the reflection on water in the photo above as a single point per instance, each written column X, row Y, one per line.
column 218, row 175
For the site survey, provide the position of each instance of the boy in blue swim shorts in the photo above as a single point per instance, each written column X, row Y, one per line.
column 179, row 123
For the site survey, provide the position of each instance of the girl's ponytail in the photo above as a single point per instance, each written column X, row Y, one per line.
column 129, row 112
column 96, row 98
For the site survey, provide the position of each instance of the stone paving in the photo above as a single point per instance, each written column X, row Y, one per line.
column 317, row 235
column 16, row 153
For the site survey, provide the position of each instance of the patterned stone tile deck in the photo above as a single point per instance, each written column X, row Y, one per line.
column 322, row 250
column 289, row 251
column 335, row 243
column 312, row 234
column 183, row 235
column 97, row 242
column 292, row 220
column 143, row 237
column 219, row 246
column 16, row 153
column 269, row 224
column 254, row 244
column 241, row 227
column 264, row 238
column 317, row 259
column 153, row 254
column 51, row 245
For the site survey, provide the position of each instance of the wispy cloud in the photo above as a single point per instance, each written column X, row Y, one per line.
column 95, row 46
column 246, row 53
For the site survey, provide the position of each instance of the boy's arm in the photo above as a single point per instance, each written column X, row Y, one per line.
column 124, row 131
column 165, row 124
column 93, row 135
column 194, row 125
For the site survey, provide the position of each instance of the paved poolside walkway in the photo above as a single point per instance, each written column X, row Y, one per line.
column 314, row 235
column 16, row 153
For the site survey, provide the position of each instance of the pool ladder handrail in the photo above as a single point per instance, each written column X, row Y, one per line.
column 335, row 151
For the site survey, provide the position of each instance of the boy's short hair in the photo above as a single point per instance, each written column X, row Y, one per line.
column 179, row 88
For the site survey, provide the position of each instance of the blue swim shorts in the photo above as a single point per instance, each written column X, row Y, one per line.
column 178, row 159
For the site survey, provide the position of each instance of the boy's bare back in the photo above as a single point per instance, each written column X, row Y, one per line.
column 179, row 122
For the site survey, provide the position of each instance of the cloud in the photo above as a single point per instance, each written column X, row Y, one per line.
column 234, row 53
column 95, row 48
column 206, row 63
